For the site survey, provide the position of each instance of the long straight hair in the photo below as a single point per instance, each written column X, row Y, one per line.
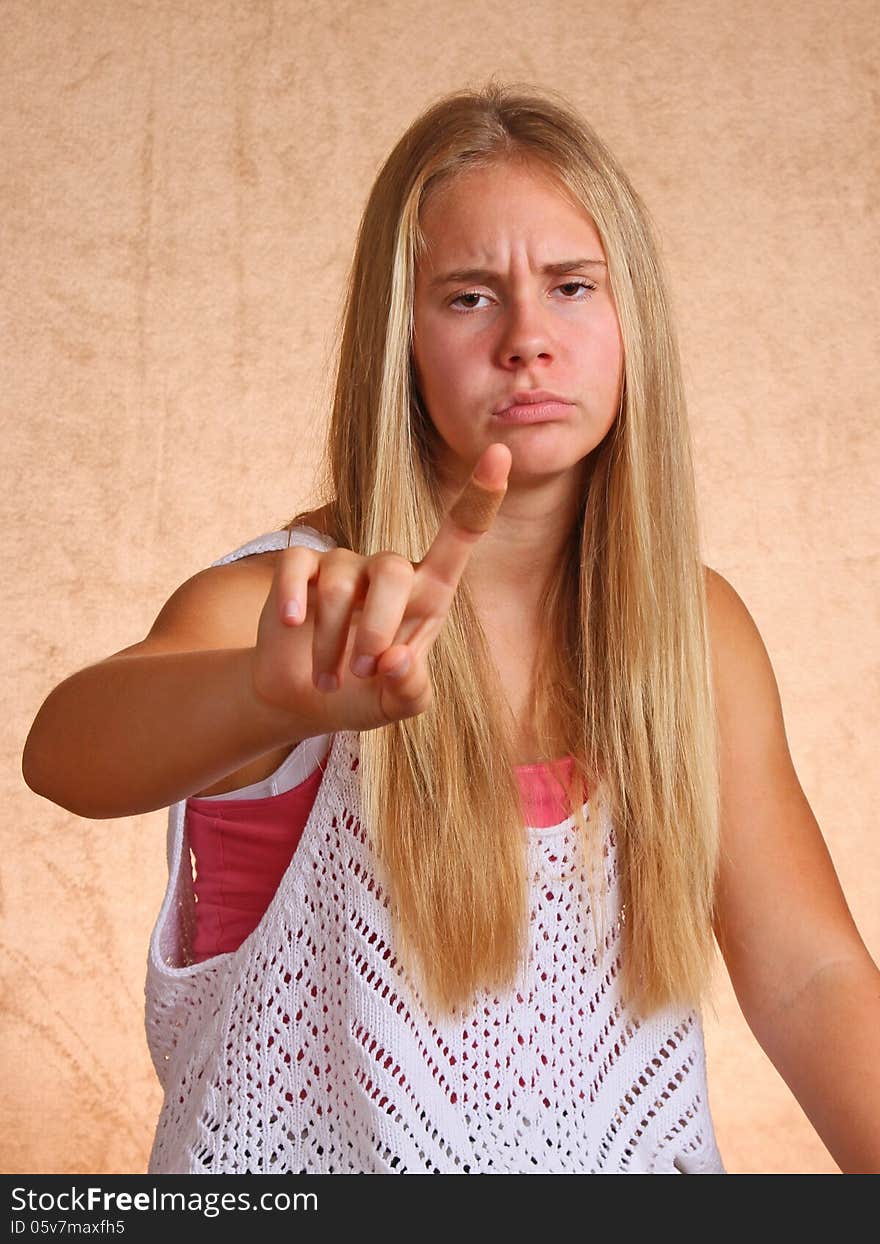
column 623, row 682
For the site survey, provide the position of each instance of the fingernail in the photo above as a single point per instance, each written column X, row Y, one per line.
column 327, row 682
column 364, row 666
column 398, row 670
column 292, row 611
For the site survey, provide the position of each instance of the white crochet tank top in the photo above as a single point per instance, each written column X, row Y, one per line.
column 309, row 1050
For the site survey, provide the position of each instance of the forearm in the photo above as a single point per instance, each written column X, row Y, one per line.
column 136, row 733
column 825, row 1043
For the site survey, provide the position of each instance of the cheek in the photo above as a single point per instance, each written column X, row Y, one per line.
column 427, row 352
column 605, row 349
column 444, row 363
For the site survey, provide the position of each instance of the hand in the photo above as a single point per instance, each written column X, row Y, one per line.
column 368, row 622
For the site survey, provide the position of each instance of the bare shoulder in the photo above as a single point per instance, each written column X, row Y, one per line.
column 218, row 607
column 726, row 607
column 745, row 684
column 733, row 632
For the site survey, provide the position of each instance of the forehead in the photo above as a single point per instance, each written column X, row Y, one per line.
column 484, row 209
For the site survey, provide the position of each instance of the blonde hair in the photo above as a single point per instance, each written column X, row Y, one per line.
column 623, row 682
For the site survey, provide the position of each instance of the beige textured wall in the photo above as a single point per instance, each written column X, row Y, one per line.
column 182, row 182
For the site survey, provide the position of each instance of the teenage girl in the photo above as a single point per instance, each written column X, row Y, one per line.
column 469, row 767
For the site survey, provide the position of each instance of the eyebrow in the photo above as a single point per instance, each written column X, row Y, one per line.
column 482, row 274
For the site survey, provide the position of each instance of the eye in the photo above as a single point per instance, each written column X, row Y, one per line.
column 585, row 285
column 580, row 284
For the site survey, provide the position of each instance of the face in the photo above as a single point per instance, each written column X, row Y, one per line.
column 482, row 338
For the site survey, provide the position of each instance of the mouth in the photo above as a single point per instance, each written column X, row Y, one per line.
column 531, row 406
column 533, row 412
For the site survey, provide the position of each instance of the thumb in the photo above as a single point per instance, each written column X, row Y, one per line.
column 404, row 694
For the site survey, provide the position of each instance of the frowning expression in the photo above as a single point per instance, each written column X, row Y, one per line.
column 513, row 296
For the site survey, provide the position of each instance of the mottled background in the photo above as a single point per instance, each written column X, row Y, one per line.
column 181, row 186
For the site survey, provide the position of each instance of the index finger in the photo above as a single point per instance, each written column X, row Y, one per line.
column 470, row 516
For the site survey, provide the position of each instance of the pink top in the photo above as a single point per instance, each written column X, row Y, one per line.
column 243, row 846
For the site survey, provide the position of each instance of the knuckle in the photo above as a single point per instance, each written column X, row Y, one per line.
column 339, row 556
column 333, row 590
column 292, row 553
column 440, row 589
column 293, row 560
column 393, row 563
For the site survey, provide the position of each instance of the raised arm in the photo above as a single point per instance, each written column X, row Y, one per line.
column 228, row 674
column 169, row 716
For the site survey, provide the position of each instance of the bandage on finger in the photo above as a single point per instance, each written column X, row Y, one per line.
column 476, row 507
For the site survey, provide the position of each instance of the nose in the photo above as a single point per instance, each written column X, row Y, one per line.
column 525, row 333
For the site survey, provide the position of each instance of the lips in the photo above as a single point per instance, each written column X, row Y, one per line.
column 529, row 397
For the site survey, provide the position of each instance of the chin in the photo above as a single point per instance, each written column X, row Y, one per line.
column 541, row 466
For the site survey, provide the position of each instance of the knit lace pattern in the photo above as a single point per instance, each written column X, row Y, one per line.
column 310, row 1050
